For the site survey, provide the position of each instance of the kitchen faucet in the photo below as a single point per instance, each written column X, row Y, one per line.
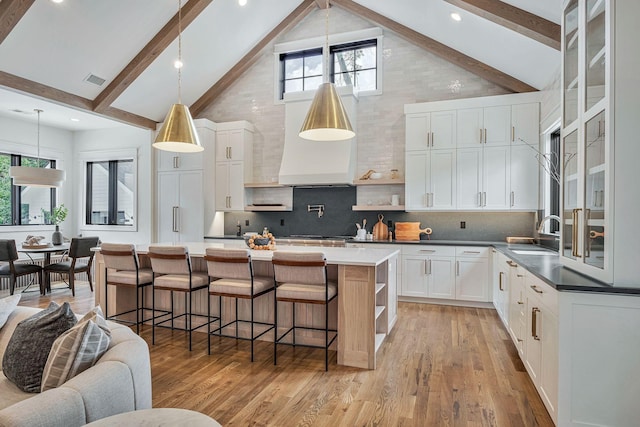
column 545, row 219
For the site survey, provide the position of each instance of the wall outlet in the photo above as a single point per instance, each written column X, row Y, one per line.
column 246, row 222
column 463, row 224
column 282, row 222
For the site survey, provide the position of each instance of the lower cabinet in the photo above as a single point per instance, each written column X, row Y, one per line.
column 517, row 306
column 445, row 272
column 500, row 281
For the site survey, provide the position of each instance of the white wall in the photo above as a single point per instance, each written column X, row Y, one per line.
column 122, row 138
column 20, row 137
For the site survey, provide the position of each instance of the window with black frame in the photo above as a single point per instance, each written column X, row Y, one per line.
column 110, row 193
column 300, row 71
column 24, row 204
column 355, row 64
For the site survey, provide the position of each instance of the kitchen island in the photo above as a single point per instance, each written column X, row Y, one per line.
column 366, row 305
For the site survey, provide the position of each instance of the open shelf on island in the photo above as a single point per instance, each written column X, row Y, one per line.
column 379, row 340
column 380, row 286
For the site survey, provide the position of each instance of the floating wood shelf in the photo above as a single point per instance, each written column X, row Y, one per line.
column 253, row 208
column 378, row 182
column 264, row 185
column 377, row 208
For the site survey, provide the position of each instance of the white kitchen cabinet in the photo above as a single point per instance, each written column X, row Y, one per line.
column 517, row 306
column 500, row 282
column 524, row 174
column 484, row 126
column 525, row 124
column 170, row 161
column 468, row 178
column 541, row 342
column 428, row 271
column 431, row 130
column 180, row 207
column 482, row 178
column 430, row 180
column 472, row 273
column 234, row 164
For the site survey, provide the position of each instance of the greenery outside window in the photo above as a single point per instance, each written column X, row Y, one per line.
column 24, row 205
column 110, row 193
column 355, row 64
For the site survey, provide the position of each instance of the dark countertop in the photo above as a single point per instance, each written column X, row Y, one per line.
column 545, row 267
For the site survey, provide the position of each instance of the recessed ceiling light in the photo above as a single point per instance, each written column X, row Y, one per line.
column 456, row 16
column 178, row 64
column 242, row 2
column 74, row 120
column 57, row 1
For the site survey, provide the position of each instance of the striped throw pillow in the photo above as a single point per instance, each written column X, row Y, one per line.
column 77, row 349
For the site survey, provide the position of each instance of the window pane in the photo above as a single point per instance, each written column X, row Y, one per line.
column 35, row 205
column 312, row 83
column 344, row 79
column 293, row 68
column 100, row 193
column 125, row 193
column 5, row 190
column 313, row 66
column 366, row 80
column 366, row 58
column 293, row 85
column 343, row 61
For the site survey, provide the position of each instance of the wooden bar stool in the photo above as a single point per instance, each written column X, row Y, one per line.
column 232, row 274
column 172, row 272
column 122, row 260
column 301, row 277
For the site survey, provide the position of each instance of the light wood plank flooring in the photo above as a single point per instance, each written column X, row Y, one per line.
column 441, row 366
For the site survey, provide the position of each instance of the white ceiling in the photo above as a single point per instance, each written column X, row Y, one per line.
column 59, row 45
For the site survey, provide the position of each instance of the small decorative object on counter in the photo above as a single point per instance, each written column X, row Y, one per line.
column 238, row 229
column 380, row 229
column 57, row 216
column 266, row 241
column 35, row 242
column 394, row 174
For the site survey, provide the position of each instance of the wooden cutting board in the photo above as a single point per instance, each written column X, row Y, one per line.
column 409, row 231
column 380, row 229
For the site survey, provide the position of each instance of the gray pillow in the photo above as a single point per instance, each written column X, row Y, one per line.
column 29, row 346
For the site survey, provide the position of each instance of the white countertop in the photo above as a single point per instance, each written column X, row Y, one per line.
column 368, row 256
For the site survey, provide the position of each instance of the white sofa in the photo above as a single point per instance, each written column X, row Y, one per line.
column 119, row 382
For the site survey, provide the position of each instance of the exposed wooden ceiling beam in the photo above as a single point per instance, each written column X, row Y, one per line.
column 455, row 57
column 515, row 19
column 148, row 54
column 322, row 4
column 249, row 59
column 11, row 11
column 70, row 100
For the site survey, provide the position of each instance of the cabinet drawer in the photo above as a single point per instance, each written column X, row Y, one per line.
column 547, row 295
column 428, row 250
column 472, row 251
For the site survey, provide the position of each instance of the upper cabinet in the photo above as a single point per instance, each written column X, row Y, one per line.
column 600, row 127
column 234, row 164
column 473, row 154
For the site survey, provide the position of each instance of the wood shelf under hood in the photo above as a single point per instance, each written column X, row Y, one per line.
column 377, row 208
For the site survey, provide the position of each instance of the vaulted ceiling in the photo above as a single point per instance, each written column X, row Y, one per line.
column 48, row 50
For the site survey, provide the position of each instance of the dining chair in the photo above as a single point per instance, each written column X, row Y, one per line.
column 233, row 277
column 301, row 278
column 13, row 270
column 80, row 248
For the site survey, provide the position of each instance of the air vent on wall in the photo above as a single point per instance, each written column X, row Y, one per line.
column 92, row 78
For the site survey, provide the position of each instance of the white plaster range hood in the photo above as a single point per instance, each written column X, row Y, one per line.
column 309, row 163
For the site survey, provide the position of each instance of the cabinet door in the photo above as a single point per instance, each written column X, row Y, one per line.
column 548, row 386
column 415, row 182
column 469, row 126
column 222, row 186
column 468, row 178
column 441, row 271
column 223, row 142
column 497, row 125
column 442, row 179
column 517, row 310
column 496, row 163
column 191, row 207
column 168, row 203
column 417, row 132
column 443, row 129
column 524, row 178
column 500, row 279
column 168, row 160
column 525, row 123
column 236, row 186
column 236, row 144
column 533, row 344
column 414, row 276
column 472, row 279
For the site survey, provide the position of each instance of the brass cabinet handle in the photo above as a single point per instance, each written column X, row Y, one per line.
column 433, row 140
column 574, row 230
column 513, row 133
column 535, row 288
column 480, row 135
column 175, row 219
column 429, row 267
column 428, row 139
column 513, row 198
column 500, row 275
column 457, row 268
column 427, row 250
column 520, row 302
column 176, row 161
column 485, row 135
column 426, row 268
column 534, row 323
column 578, row 210
column 511, row 263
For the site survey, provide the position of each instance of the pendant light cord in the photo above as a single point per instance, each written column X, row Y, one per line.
column 180, row 51
column 326, row 41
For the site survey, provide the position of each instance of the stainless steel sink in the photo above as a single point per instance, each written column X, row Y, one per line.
column 533, row 252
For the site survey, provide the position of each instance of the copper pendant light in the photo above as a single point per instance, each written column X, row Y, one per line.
column 178, row 132
column 327, row 119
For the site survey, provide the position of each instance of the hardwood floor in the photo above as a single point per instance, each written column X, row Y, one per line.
column 441, row 366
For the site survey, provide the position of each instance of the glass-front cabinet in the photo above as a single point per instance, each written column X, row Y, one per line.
column 585, row 142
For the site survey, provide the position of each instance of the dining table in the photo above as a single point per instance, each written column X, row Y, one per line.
column 46, row 251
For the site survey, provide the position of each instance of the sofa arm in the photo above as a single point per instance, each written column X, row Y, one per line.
column 61, row 407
